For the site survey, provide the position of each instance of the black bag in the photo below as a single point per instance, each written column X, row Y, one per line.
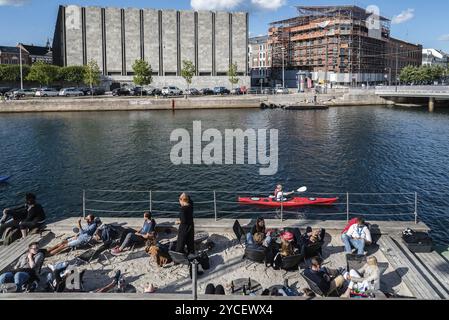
column 204, row 261
column 417, row 241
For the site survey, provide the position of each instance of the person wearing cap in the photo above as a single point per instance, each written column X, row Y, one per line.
column 25, row 217
column 287, row 249
column 84, row 236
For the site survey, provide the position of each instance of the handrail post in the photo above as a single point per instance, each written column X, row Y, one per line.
column 84, row 203
column 416, row 207
column 282, row 208
column 151, row 201
column 215, row 205
column 347, row 206
column 194, row 266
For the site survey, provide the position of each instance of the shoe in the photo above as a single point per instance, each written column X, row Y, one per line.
column 51, row 267
column 8, row 288
column 116, row 251
column 149, row 288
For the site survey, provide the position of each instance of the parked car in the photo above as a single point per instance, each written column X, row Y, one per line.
column 207, row 91
column 3, row 90
column 138, row 91
column 121, row 92
column 96, row 91
column 282, row 91
column 20, row 93
column 171, row 91
column 152, row 91
column 47, row 92
column 268, row 91
column 236, row 91
column 71, row 92
column 193, row 92
column 221, row 90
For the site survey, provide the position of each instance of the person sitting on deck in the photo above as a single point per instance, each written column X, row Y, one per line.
column 311, row 236
column 27, row 268
column 328, row 280
column 259, row 226
column 287, row 249
column 131, row 236
column 365, row 279
column 279, row 195
column 26, row 217
column 83, row 237
column 357, row 236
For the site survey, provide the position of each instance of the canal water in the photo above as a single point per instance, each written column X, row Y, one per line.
column 340, row 150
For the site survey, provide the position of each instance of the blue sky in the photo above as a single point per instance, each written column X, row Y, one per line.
column 425, row 22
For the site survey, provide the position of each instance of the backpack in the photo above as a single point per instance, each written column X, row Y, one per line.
column 204, row 260
column 10, row 235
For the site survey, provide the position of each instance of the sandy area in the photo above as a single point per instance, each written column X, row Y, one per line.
column 226, row 265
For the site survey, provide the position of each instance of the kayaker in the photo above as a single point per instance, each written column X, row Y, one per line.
column 279, row 195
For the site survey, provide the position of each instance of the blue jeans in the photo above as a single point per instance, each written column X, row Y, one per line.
column 20, row 278
column 349, row 242
column 249, row 238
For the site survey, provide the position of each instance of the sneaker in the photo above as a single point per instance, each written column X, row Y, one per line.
column 116, row 251
column 8, row 288
column 51, row 267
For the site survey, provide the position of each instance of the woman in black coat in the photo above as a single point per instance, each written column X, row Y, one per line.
column 186, row 231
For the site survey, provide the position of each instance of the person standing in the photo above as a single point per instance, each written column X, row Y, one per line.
column 186, row 232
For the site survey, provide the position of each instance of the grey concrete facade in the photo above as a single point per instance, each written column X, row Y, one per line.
column 113, row 41
column 116, row 38
column 94, row 41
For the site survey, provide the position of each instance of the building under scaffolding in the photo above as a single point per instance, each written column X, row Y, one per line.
column 336, row 44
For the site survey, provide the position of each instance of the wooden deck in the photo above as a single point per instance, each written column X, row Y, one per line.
column 425, row 275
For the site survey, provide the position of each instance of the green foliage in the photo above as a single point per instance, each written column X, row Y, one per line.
column 188, row 71
column 92, row 74
column 142, row 73
column 232, row 74
column 72, row 74
column 11, row 73
column 422, row 74
column 43, row 73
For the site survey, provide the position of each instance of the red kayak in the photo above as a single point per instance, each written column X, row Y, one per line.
column 290, row 203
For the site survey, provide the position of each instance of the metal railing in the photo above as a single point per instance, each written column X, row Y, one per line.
column 220, row 204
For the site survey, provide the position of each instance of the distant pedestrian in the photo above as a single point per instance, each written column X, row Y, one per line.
column 314, row 99
column 186, row 231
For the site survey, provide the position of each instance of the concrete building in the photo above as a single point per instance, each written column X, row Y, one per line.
column 116, row 37
column 432, row 57
column 11, row 55
column 259, row 61
column 337, row 44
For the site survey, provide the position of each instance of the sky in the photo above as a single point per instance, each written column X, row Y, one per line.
column 416, row 21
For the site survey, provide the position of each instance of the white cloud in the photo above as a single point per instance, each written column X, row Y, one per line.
column 215, row 4
column 15, row 3
column 404, row 16
column 234, row 4
column 269, row 4
column 444, row 37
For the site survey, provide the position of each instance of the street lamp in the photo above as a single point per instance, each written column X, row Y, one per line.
column 21, row 68
column 283, row 67
column 397, row 65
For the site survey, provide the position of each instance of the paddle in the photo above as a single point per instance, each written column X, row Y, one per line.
column 302, row 189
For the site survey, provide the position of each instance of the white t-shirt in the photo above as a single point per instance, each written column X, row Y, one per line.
column 357, row 232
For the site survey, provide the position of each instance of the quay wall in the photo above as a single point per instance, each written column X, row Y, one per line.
column 137, row 103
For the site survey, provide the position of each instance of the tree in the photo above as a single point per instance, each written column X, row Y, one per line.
column 232, row 74
column 188, row 71
column 92, row 75
column 142, row 73
column 43, row 73
column 11, row 73
column 72, row 74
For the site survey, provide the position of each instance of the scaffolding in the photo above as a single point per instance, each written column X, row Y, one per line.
column 331, row 39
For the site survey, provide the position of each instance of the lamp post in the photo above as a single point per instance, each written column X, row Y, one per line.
column 283, row 67
column 21, row 68
column 397, row 65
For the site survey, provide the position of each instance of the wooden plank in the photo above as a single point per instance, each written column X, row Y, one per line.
column 14, row 251
column 438, row 266
column 414, row 277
